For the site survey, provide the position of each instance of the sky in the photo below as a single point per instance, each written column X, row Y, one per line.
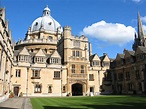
column 110, row 25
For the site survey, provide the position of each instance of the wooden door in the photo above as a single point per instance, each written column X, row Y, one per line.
column 16, row 91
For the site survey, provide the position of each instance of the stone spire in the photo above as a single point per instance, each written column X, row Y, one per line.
column 140, row 39
column 140, row 29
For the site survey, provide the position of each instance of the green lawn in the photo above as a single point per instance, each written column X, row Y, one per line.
column 97, row 102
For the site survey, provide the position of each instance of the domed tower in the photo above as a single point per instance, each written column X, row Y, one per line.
column 44, row 34
column 37, row 60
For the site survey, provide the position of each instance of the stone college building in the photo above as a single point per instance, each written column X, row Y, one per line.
column 50, row 61
column 127, row 73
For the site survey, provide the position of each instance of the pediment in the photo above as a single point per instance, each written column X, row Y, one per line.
column 106, row 58
column 24, row 51
column 40, row 53
column 96, row 58
column 56, row 54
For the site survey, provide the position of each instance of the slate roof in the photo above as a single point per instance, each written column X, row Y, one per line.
column 121, row 55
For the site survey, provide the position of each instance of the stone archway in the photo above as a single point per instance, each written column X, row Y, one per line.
column 77, row 89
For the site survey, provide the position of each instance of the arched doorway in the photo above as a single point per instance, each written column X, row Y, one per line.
column 77, row 89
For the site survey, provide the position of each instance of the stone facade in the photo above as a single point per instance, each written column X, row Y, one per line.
column 6, row 56
column 50, row 61
column 127, row 74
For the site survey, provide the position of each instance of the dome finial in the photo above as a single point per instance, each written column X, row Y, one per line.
column 46, row 11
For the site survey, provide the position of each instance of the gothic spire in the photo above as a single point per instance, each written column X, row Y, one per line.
column 140, row 28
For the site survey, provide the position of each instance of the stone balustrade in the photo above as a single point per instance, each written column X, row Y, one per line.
column 41, row 41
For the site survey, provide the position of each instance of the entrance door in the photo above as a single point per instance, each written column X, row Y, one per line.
column 16, row 91
column 91, row 91
column 77, row 89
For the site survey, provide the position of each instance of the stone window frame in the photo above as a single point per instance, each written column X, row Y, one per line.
column 38, row 88
column 39, row 59
column 23, row 58
column 95, row 63
column 57, row 75
column 35, row 74
column 55, row 60
column 18, row 73
column 91, row 77
column 73, row 67
column 77, row 53
column 130, row 86
column 82, row 69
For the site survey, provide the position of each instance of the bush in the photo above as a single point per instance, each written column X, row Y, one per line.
column 11, row 95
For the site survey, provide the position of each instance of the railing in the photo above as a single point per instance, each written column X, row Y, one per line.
column 78, row 76
column 42, row 41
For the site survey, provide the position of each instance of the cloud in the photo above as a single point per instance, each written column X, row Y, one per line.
column 143, row 19
column 144, row 27
column 113, row 33
column 137, row 1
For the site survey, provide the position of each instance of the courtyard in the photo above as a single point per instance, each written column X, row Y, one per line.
column 96, row 102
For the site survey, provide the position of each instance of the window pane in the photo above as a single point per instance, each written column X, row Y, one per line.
column 56, row 74
column 82, row 68
column 73, row 68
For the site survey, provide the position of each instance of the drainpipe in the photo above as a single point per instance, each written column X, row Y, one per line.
column 61, row 80
column 27, row 82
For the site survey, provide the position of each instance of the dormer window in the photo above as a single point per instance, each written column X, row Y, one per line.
column 105, row 64
column 39, row 59
column 23, row 58
column 95, row 63
column 54, row 61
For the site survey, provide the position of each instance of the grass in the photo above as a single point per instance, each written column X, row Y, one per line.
column 97, row 102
